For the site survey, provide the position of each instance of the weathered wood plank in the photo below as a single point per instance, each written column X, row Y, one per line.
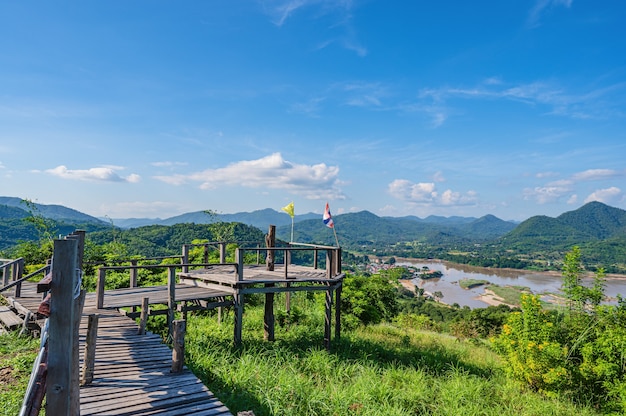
column 9, row 318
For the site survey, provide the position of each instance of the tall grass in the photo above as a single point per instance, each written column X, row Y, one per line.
column 17, row 354
column 376, row 370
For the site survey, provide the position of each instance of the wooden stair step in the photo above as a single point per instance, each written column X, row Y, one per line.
column 9, row 318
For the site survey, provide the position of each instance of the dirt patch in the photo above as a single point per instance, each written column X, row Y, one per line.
column 6, row 376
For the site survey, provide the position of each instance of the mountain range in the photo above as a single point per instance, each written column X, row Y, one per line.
column 599, row 228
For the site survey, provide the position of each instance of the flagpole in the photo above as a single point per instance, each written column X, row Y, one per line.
column 335, row 232
column 291, row 230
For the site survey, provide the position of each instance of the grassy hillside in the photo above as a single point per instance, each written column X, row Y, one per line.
column 377, row 370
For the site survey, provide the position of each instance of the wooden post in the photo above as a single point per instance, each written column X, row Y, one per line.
column 178, row 345
column 143, row 318
column 338, row 261
column 238, row 316
column 338, row 311
column 205, row 253
column 100, row 288
column 185, row 258
column 239, row 255
column 61, row 395
column 258, row 254
column 315, row 253
column 90, row 350
column 328, row 317
column 329, row 263
column 270, row 242
column 171, row 298
column 268, row 320
column 222, row 252
column 17, row 275
column 133, row 273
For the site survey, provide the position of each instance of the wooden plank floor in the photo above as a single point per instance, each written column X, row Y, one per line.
column 132, row 372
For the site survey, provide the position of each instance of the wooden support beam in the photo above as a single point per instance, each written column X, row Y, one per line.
column 238, row 318
column 60, row 394
column 143, row 319
column 102, row 273
column 222, row 252
column 178, row 345
column 133, row 273
column 90, row 350
column 338, row 311
column 268, row 319
column 171, row 298
column 185, row 258
column 328, row 318
column 270, row 242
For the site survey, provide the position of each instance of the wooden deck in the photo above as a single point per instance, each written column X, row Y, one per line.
column 132, row 374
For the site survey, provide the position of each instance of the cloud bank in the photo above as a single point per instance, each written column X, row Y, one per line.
column 99, row 174
column 425, row 193
column 317, row 181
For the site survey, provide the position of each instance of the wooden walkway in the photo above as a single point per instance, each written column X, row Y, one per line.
column 132, row 374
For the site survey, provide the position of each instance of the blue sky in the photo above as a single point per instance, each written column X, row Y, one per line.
column 155, row 108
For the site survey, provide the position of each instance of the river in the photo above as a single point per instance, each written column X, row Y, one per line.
column 537, row 282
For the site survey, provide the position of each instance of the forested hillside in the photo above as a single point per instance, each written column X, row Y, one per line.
column 364, row 229
column 537, row 243
column 162, row 240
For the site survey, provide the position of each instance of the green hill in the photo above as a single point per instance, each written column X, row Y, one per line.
column 598, row 229
column 363, row 228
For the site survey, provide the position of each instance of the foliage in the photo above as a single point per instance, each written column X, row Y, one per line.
column 579, row 352
column 379, row 369
column 17, row 354
column 369, row 300
column 528, row 342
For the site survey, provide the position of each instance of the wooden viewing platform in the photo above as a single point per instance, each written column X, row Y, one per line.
column 133, row 374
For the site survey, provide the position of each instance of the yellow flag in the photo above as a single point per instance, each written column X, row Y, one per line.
column 289, row 209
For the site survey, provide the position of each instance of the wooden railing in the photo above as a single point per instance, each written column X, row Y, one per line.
column 56, row 370
column 12, row 271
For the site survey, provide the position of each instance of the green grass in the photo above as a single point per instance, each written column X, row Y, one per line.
column 470, row 283
column 510, row 294
column 17, row 355
column 377, row 370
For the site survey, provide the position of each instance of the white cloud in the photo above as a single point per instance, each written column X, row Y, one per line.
column 609, row 196
column 102, row 174
column 311, row 181
column 438, row 177
column 342, row 32
column 543, row 175
column 596, row 174
column 425, row 193
column 551, row 192
column 572, row 200
column 594, row 103
column 543, row 6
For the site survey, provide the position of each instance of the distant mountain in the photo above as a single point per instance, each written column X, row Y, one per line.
column 594, row 223
column 54, row 212
column 364, row 228
column 261, row 219
column 60, row 220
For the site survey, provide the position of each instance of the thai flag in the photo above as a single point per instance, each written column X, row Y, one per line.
column 328, row 219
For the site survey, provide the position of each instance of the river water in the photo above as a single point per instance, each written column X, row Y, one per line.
column 538, row 283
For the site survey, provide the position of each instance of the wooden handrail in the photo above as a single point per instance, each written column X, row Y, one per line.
column 41, row 269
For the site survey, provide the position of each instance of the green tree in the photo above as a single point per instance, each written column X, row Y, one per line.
column 369, row 300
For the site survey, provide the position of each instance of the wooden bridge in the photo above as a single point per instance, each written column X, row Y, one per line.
column 126, row 372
